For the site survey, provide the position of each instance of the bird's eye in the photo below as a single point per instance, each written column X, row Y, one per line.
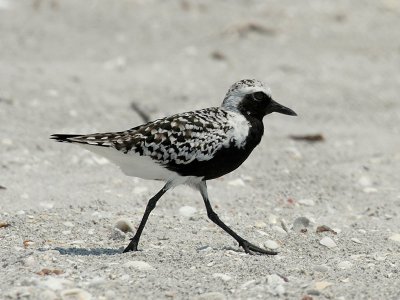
column 259, row 96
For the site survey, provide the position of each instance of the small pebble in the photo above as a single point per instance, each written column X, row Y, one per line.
column 284, row 225
column 370, row 190
column 365, row 181
column 187, row 211
column 112, row 276
column 217, row 55
column 294, row 153
column 307, row 202
column 170, row 294
column 300, row 224
column 262, row 233
column 97, row 281
column 78, row 242
column 138, row 265
column 29, row 261
column 211, row 296
column 44, row 272
column 395, row 237
column 222, row 276
column 328, row 242
column 247, row 284
column 48, row 295
column 260, row 224
column 28, row 243
column 247, row 178
column 68, row 224
column 125, row 277
column 321, row 268
column 205, row 248
column 7, row 142
column 324, row 228
column 47, row 205
column 380, row 256
column 4, row 224
column 313, row 292
column 275, row 284
column 56, row 283
column 358, row 256
column 237, row 182
column 272, row 219
column 270, row 244
column 357, row 241
column 344, row 265
column 97, row 214
column 75, row 294
column 124, row 225
column 321, row 285
column 279, row 230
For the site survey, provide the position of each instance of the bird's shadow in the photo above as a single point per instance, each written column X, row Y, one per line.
column 88, row 252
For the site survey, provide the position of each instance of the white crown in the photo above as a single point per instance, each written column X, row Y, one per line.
column 240, row 89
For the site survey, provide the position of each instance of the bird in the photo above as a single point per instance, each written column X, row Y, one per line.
column 190, row 148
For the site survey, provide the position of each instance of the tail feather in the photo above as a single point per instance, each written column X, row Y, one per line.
column 64, row 137
column 96, row 139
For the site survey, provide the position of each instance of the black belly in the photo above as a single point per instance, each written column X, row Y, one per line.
column 226, row 160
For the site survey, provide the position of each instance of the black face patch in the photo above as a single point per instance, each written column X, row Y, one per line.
column 255, row 105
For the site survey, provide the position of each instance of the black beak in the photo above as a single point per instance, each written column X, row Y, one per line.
column 276, row 107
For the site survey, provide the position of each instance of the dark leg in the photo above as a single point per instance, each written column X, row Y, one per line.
column 247, row 246
column 150, row 206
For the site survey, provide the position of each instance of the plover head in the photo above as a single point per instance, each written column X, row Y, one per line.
column 252, row 98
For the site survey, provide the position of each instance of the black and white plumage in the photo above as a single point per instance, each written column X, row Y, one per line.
column 191, row 147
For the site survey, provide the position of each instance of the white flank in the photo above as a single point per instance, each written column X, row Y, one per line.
column 132, row 164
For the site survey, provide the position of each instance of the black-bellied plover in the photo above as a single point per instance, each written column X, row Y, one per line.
column 190, row 148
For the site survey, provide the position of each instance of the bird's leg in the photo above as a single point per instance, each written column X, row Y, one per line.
column 150, row 206
column 247, row 246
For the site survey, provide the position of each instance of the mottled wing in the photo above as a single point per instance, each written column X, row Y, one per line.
column 179, row 139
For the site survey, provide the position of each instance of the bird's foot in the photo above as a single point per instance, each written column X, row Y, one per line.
column 250, row 248
column 132, row 246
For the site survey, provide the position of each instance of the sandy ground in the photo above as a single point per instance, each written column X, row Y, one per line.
column 75, row 67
